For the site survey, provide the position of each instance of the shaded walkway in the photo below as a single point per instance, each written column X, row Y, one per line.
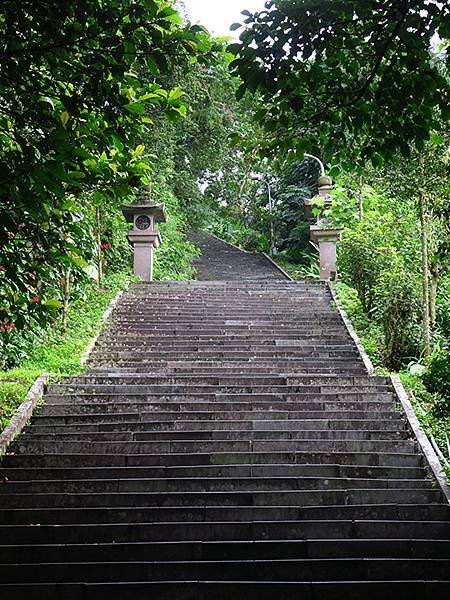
column 220, row 261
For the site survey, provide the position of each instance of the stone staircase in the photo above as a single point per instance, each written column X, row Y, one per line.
column 226, row 443
column 220, row 261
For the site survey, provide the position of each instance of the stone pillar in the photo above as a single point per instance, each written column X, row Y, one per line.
column 143, row 246
column 144, row 237
column 327, row 240
column 322, row 233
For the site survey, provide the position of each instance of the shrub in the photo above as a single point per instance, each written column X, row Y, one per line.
column 369, row 331
column 398, row 308
column 362, row 258
column 437, row 380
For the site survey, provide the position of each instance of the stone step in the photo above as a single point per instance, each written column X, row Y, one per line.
column 136, row 342
column 179, row 437
column 303, row 367
column 191, row 531
column 133, row 389
column 259, row 570
column 432, row 512
column 210, row 358
column 10, row 475
column 349, row 394
column 205, row 328
column 224, row 590
column 214, row 355
column 241, row 401
column 130, row 359
column 145, row 348
column 161, row 366
column 210, row 446
column 387, row 459
column 236, row 550
column 244, row 379
column 120, row 415
column 212, row 422
column 125, row 364
column 307, row 379
column 239, row 424
column 197, row 484
column 66, row 516
column 262, row 353
column 352, row 496
column 297, row 338
column 231, row 324
column 232, row 317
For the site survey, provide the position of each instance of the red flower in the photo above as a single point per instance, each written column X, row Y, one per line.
column 62, row 281
column 35, row 299
column 104, row 246
column 5, row 326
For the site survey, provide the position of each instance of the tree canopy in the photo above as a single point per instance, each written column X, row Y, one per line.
column 80, row 84
column 356, row 78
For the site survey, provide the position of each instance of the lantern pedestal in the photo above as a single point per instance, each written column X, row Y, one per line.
column 327, row 240
column 144, row 237
column 143, row 246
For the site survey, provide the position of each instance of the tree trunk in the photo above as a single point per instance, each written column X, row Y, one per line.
column 360, row 200
column 425, row 278
column 433, row 293
column 66, row 299
column 99, row 246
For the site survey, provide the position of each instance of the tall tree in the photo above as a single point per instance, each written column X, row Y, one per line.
column 351, row 77
column 80, row 83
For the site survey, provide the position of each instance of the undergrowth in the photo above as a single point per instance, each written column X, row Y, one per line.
column 60, row 355
column 433, row 420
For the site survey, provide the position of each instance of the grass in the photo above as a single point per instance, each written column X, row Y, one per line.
column 423, row 402
column 297, row 271
column 60, row 355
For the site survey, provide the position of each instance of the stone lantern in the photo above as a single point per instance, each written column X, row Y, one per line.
column 325, row 189
column 144, row 237
column 323, row 234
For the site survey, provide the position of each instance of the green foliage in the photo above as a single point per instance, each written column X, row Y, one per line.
column 59, row 353
column 397, row 308
column 369, row 331
column 173, row 260
column 437, row 380
column 434, row 423
column 12, row 393
column 239, row 234
column 375, row 261
column 443, row 308
column 363, row 256
column 297, row 270
column 297, row 182
column 354, row 78
column 80, row 85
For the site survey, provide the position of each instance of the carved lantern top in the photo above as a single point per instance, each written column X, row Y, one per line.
column 133, row 212
column 144, row 212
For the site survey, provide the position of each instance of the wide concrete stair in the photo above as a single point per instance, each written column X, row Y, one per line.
column 226, row 442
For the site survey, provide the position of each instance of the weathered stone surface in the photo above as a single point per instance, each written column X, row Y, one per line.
column 226, row 441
